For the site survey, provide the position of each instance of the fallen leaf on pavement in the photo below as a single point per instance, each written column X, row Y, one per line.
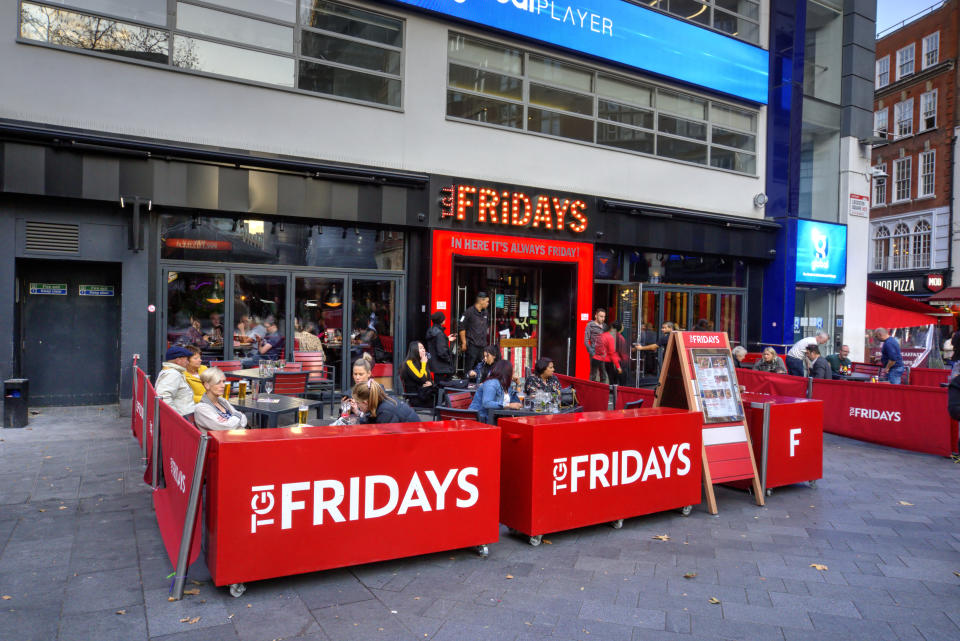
column 689, row 575
column 713, row 600
column 7, row 597
column 170, row 598
column 230, row 617
column 193, row 620
column 62, row 507
column 184, row 619
column 46, row 457
column 956, row 573
column 547, row 541
column 509, row 576
column 662, row 537
column 192, row 591
column 41, row 510
column 120, row 612
column 249, row 606
column 819, row 566
column 905, row 503
column 195, row 582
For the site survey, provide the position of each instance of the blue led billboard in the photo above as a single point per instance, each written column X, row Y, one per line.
column 821, row 253
column 627, row 34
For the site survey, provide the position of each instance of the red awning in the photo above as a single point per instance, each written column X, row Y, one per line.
column 950, row 294
column 883, row 316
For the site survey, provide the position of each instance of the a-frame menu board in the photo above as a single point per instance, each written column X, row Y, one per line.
column 698, row 374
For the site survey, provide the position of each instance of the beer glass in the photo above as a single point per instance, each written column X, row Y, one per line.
column 226, row 391
column 302, row 413
column 242, row 390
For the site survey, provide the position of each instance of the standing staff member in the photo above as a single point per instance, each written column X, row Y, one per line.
column 590, row 337
column 798, row 351
column 474, row 330
column 890, row 357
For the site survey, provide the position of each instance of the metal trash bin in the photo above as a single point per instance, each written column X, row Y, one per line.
column 16, row 396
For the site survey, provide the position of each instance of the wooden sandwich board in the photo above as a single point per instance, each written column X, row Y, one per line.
column 698, row 374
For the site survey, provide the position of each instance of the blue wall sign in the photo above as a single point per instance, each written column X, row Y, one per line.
column 627, row 34
column 821, row 253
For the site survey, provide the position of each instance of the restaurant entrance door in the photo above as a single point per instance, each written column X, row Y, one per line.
column 532, row 309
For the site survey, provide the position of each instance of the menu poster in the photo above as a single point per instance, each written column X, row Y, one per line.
column 717, row 385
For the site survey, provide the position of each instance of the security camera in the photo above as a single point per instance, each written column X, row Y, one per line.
column 876, row 172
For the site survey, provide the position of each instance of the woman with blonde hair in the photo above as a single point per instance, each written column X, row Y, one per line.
column 770, row 362
column 377, row 407
column 214, row 412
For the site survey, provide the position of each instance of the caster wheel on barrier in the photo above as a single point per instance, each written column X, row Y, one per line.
column 237, row 589
column 483, row 551
column 686, row 510
column 813, row 484
column 616, row 525
column 769, row 492
column 535, row 540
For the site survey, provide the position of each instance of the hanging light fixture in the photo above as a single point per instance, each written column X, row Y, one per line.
column 333, row 298
column 216, row 296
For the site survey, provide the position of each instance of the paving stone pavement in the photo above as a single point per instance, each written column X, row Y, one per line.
column 81, row 558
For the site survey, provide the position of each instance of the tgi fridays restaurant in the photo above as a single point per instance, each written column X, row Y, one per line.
column 547, row 259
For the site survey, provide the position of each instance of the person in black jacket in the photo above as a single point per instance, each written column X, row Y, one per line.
column 377, row 407
column 438, row 346
column 416, row 378
column 819, row 367
column 953, row 398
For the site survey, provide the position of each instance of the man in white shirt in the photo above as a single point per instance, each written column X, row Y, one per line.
column 798, row 351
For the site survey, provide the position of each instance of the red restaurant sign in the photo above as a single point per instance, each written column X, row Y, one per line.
column 191, row 243
column 513, row 208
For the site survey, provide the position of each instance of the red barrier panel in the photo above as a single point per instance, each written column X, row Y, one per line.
column 136, row 413
column 564, row 471
column 775, row 384
column 148, row 427
column 792, row 451
column 293, row 500
column 928, row 377
column 904, row 416
column 629, row 394
column 179, row 444
column 592, row 396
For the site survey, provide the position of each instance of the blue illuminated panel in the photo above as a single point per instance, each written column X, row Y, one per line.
column 627, row 34
column 821, row 253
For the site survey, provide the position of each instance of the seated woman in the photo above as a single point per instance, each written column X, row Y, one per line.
column 739, row 353
column 542, row 378
column 213, row 412
column 415, row 377
column 770, row 362
column 492, row 394
column 490, row 356
column 377, row 407
column 362, row 370
column 194, row 370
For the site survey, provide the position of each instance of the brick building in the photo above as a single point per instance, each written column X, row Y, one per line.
column 915, row 112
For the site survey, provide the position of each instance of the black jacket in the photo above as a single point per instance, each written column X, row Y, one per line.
column 393, row 411
column 413, row 384
column 820, row 368
column 441, row 360
column 953, row 398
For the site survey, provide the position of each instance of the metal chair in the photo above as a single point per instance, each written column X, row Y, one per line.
column 290, row 383
column 455, row 414
column 321, row 381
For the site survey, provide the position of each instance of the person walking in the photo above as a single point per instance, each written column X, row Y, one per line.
column 606, row 353
column 647, row 348
column 438, row 346
column 590, row 337
column 798, row 351
column 474, row 330
column 624, row 349
column 890, row 357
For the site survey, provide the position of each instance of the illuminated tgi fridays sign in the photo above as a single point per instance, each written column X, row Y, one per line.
column 485, row 205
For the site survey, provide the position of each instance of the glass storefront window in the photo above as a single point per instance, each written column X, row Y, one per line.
column 195, row 312
column 281, row 243
column 677, row 269
column 259, row 304
column 815, row 311
column 704, row 312
column 319, row 318
column 731, row 317
column 374, row 331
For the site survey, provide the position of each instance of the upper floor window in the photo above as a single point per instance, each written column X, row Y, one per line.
column 928, row 110
column 503, row 86
column 880, row 122
column 737, row 18
column 880, row 186
column 905, row 61
column 931, row 50
column 881, row 249
column 902, row 170
column 883, row 72
column 922, row 241
column 928, row 163
column 903, row 117
column 342, row 51
column 901, row 247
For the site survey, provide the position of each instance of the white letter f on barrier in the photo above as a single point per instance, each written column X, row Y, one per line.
column 794, row 441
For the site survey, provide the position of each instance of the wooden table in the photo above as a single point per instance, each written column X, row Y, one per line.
column 272, row 410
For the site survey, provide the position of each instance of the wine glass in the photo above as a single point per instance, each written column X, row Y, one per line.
column 268, row 387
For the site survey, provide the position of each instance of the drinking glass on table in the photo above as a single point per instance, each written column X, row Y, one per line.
column 302, row 414
column 242, row 390
column 521, row 395
column 268, row 387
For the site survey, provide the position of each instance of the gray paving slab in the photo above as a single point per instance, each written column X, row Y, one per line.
column 79, row 542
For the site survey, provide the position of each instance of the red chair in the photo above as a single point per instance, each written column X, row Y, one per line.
column 386, row 342
column 455, row 414
column 321, row 379
column 293, row 367
column 290, row 383
column 226, row 366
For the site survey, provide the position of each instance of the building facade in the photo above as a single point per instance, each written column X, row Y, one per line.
column 170, row 172
column 911, row 211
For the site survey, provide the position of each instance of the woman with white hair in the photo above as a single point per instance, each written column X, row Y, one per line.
column 214, row 412
column 739, row 353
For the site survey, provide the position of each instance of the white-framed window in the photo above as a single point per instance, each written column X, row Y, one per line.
column 928, row 110
column 883, row 72
column 903, row 118
column 880, row 186
column 928, row 163
column 880, row 122
column 881, row 249
column 922, row 241
column 902, row 168
column 931, row 50
column 901, row 247
column 905, row 61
